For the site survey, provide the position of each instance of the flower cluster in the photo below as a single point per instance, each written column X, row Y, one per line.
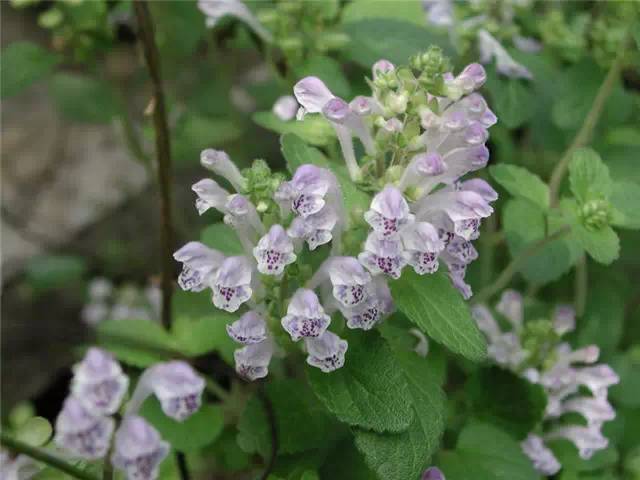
column 422, row 129
column 85, row 426
column 572, row 380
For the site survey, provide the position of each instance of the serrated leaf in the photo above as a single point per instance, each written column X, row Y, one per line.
column 136, row 342
column 588, row 176
column 24, row 63
column 401, row 40
column 196, row 432
column 437, row 308
column 314, row 129
column 222, row 237
column 83, row 98
column 405, row 455
column 603, row 245
column 520, row 182
column 369, row 391
column 625, row 198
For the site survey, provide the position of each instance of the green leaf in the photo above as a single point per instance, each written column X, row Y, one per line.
column 524, row 223
column 53, row 271
column 345, row 462
column 136, row 342
column 401, row 40
column 588, row 176
column 84, row 99
column 205, row 334
column 490, row 454
column 24, row 63
column 36, row 431
column 405, row 455
column 195, row 132
column 627, row 366
column 179, row 27
column 625, row 198
column 404, row 10
column 603, row 321
column 222, row 237
column 567, row 454
column 196, row 432
column 296, row 152
column 520, row 182
column 603, row 245
column 329, row 71
column 369, row 391
column 438, row 309
column 511, row 403
column 513, row 100
column 301, row 421
column 314, row 129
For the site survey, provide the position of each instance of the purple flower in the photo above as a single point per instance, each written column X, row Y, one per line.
column 219, row 162
column 305, row 316
column 210, row 195
column 422, row 247
column 274, row 251
column 199, row 265
column 252, row 361
column 312, row 94
column 231, row 287
column 389, row 212
column 98, row 383
column 326, row 352
column 82, row 434
column 249, row 329
column 595, row 410
column 285, row 108
column 377, row 305
column 382, row 67
column 433, row 473
column 305, row 193
column 350, row 281
column 511, row 306
column 588, row 440
column 383, row 255
column 315, row 229
column 543, row 459
column 490, row 49
column 138, row 449
column 178, row 388
column 564, row 319
column 504, row 348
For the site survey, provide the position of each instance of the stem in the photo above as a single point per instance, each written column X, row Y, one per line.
column 163, row 151
column 215, row 389
column 581, row 283
column 43, row 456
column 584, row 134
column 514, row 267
column 183, row 468
column 274, row 433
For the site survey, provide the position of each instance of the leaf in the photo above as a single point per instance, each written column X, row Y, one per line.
column 301, row 421
column 345, row 462
column 84, row 99
column 314, row 129
column 222, row 237
column 136, row 342
column 603, row 321
column 625, row 198
column 627, row 366
column 603, row 245
column 297, row 153
column 401, row 41
column 567, row 454
column 437, row 308
column 510, row 403
column 329, row 71
column 405, row 455
column 404, row 10
column 490, row 454
column 196, row 432
column 524, row 223
column 47, row 272
column 36, row 431
column 195, row 132
column 514, row 101
column 24, row 63
column 588, row 176
column 520, row 182
column 204, row 334
column 369, row 391
column 179, row 27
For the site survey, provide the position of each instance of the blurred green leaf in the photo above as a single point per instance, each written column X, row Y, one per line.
column 196, row 432
column 54, row 271
column 314, row 129
column 404, row 10
column 35, row 432
column 514, row 101
column 24, row 63
column 222, row 237
column 204, row 334
column 194, row 132
column 589, row 176
column 84, row 99
column 627, row 366
column 625, row 198
column 603, row 245
column 520, row 182
column 179, row 27
column 603, row 320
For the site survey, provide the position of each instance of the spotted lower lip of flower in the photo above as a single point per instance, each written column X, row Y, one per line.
column 274, row 251
column 373, row 310
column 138, row 449
column 199, row 264
column 349, row 280
column 389, row 212
column 252, row 361
column 306, row 190
column 249, row 329
column 543, row 459
column 383, row 255
column 305, row 316
column 231, row 287
column 178, row 388
column 214, row 10
column 422, row 247
column 326, row 352
column 99, row 383
column 315, row 229
column 82, row 434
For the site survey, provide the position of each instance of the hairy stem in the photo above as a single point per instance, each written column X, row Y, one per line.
column 581, row 283
column 514, row 267
column 584, row 134
column 43, row 456
column 163, row 151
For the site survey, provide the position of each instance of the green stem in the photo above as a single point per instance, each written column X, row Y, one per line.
column 43, row 456
column 591, row 120
column 581, row 285
column 514, row 267
column 487, row 248
column 217, row 390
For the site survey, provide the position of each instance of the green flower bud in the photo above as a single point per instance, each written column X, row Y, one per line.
column 595, row 214
column 397, row 102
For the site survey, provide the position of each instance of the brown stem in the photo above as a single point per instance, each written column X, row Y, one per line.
column 163, row 150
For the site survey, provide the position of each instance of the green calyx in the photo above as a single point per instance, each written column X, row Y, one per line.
column 595, row 214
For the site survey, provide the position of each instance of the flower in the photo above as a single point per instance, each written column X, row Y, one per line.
column 81, row 433
column 422, row 246
column 231, row 287
column 199, row 266
column 315, row 229
column 350, row 281
column 377, row 304
column 214, row 10
column 20, row 467
column 326, row 352
column 383, row 255
column 219, row 162
column 305, row 193
column 274, row 251
column 389, row 212
column 305, row 316
column 542, row 458
column 432, row 473
column 249, row 329
column 138, row 449
column 285, row 108
column 252, row 361
column 98, row 383
column 490, row 48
